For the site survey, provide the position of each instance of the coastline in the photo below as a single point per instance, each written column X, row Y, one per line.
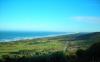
column 30, row 38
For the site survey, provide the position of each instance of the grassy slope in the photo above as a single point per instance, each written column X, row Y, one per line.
column 42, row 46
column 66, row 43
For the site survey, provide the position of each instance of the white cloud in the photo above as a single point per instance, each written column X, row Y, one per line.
column 89, row 19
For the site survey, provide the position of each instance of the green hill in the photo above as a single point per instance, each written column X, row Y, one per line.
column 63, row 48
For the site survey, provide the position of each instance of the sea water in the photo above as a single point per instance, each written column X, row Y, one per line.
column 20, row 35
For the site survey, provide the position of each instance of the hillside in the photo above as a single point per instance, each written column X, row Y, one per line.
column 58, row 47
column 89, row 36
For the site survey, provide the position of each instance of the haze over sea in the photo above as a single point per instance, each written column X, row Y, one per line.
column 21, row 35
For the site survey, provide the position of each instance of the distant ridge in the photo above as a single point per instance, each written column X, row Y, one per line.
column 80, row 36
column 89, row 36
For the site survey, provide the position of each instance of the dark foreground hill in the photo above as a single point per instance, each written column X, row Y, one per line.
column 92, row 54
column 80, row 47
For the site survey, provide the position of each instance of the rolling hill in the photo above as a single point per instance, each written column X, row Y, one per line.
column 63, row 48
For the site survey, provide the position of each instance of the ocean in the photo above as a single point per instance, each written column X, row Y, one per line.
column 6, row 36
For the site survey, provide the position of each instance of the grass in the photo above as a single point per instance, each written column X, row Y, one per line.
column 43, row 47
column 31, row 45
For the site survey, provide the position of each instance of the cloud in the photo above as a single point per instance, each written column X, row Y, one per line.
column 89, row 19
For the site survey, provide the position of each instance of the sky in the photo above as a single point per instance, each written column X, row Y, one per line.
column 50, row 15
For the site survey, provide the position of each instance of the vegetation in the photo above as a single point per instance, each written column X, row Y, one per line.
column 66, row 48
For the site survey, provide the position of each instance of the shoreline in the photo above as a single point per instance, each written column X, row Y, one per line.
column 30, row 38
